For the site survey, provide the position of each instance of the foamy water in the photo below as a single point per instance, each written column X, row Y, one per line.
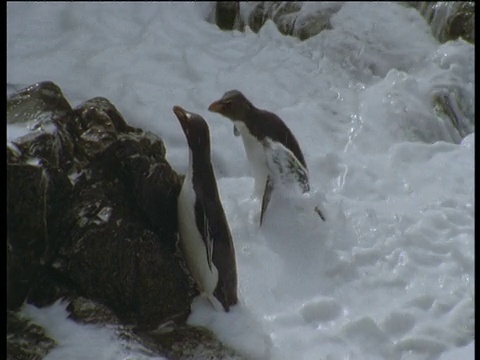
column 390, row 275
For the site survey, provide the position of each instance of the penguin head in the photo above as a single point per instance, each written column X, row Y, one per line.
column 233, row 105
column 195, row 129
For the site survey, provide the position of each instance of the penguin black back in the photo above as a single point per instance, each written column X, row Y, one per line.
column 260, row 123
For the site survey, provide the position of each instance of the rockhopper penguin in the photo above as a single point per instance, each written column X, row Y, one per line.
column 261, row 132
column 205, row 238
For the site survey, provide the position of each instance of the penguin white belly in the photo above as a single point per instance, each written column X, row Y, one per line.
column 256, row 158
column 191, row 242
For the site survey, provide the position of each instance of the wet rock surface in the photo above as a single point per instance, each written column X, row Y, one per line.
column 26, row 341
column 448, row 20
column 171, row 340
column 226, row 15
column 91, row 213
column 286, row 15
column 37, row 104
column 186, row 343
column 447, row 104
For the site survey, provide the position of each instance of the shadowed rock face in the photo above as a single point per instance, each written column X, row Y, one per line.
column 91, row 211
column 285, row 14
column 21, row 333
column 171, row 341
column 227, row 15
column 448, row 20
column 91, row 217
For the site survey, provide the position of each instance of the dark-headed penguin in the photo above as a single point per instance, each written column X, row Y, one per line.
column 265, row 137
column 205, row 238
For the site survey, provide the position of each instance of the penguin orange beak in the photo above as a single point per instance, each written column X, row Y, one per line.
column 216, row 106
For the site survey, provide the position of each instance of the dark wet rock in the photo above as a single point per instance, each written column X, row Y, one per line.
column 87, row 311
column 37, row 105
column 169, row 340
column 51, row 284
column 291, row 21
column 312, row 24
column 449, row 20
column 26, row 341
column 226, row 15
column 26, row 231
column 137, row 282
column 96, row 124
column 141, row 165
column 91, row 214
column 93, row 201
column 286, row 15
column 186, row 343
column 91, row 218
column 447, row 104
column 461, row 24
column 282, row 14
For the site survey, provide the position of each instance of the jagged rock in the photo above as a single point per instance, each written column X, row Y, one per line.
column 91, row 217
column 226, row 15
column 91, row 211
column 447, row 104
column 179, row 342
column 286, row 15
column 448, row 20
column 32, row 224
column 26, row 235
column 186, row 343
column 87, row 311
column 44, row 110
column 461, row 24
column 26, row 341
column 37, row 105
column 93, row 201
column 282, row 14
column 290, row 20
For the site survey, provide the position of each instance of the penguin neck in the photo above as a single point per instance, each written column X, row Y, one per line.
column 256, row 157
column 200, row 167
column 252, row 125
column 246, row 118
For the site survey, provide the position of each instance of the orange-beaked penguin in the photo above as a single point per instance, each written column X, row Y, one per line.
column 261, row 132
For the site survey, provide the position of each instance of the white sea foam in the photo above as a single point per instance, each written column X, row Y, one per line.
column 390, row 275
column 82, row 342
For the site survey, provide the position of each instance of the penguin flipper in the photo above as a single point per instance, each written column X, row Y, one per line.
column 208, row 243
column 285, row 166
column 204, row 227
column 298, row 171
column 267, row 195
